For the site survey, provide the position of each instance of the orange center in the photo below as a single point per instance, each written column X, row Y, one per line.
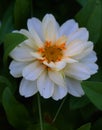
column 52, row 52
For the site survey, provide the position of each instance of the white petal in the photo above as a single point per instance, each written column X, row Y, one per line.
column 59, row 92
column 22, row 53
column 57, row 77
column 60, row 65
column 16, row 68
column 74, row 48
column 35, row 24
column 74, row 87
column 68, row 28
column 45, row 85
column 69, row 60
column 61, row 40
column 30, row 43
column 77, row 48
column 26, row 33
column 36, row 38
column 86, row 51
column 77, row 71
column 92, row 67
column 33, row 71
column 91, row 57
column 80, row 34
column 50, row 27
column 37, row 55
column 57, row 66
column 89, row 62
column 51, row 64
column 27, row 88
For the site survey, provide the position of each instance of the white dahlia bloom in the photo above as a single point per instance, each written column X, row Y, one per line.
column 53, row 60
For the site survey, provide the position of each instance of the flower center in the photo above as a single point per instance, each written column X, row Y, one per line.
column 52, row 53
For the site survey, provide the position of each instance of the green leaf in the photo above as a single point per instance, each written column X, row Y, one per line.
column 82, row 2
column 11, row 41
column 90, row 16
column 76, row 103
column 21, row 12
column 94, row 92
column 4, row 82
column 45, row 127
column 85, row 127
column 7, row 23
column 17, row 114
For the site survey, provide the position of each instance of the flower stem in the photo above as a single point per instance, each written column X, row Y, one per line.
column 40, row 115
column 58, row 111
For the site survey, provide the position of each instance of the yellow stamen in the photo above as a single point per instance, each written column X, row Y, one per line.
column 53, row 52
column 62, row 46
column 40, row 50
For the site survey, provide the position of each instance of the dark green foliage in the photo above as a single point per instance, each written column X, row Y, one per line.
column 11, row 41
column 91, row 17
column 17, row 114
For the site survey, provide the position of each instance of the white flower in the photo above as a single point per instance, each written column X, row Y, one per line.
column 53, row 60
